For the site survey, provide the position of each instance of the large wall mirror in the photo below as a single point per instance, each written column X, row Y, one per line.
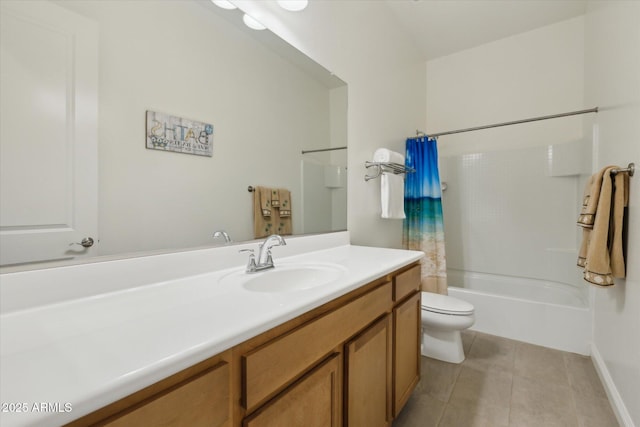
column 267, row 102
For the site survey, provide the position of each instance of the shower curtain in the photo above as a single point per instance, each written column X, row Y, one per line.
column 423, row 228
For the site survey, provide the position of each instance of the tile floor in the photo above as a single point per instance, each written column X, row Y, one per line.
column 508, row 383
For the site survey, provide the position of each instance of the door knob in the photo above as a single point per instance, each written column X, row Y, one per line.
column 87, row 242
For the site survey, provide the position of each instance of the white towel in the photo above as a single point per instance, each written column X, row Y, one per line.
column 391, row 185
column 386, row 155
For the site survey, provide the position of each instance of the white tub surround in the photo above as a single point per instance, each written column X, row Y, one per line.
column 84, row 336
column 541, row 312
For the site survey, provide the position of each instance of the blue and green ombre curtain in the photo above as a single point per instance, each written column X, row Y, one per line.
column 423, row 228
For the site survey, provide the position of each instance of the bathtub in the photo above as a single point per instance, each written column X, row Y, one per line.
column 541, row 312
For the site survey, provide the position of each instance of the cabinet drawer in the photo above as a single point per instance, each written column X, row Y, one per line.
column 275, row 364
column 313, row 401
column 201, row 401
column 406, row 282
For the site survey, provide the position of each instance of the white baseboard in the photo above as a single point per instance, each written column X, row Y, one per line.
column 619, row 408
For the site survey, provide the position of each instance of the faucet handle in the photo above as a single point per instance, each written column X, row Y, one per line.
column 250, row 251
column 251, row 265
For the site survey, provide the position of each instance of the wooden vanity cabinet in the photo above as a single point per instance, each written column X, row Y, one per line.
column 353, row 361
column 379, row 332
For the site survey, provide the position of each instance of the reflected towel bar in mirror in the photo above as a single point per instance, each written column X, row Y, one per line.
column 323, row 149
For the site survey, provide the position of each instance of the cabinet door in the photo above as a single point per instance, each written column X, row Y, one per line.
column 201, row 401
column 313, row 401
column 368, row 376
column 406, row 351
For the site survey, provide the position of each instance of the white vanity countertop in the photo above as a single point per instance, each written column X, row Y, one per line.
column 81, row 354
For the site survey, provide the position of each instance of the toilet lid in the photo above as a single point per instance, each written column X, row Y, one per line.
column 445, row 304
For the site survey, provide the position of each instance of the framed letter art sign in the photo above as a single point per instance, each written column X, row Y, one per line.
column 171, row 133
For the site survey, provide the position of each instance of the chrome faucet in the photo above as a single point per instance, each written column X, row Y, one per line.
column 223, row 234
column 264, row 260
column 264, row 256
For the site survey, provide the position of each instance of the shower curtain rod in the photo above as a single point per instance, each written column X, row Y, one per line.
column 323, row 149
column 515, row 122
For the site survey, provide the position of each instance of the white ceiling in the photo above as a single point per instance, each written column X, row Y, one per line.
column 442, row 27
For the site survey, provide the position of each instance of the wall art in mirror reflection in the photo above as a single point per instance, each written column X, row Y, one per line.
column 171, row 133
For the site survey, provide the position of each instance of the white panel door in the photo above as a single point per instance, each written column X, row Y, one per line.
column 48, row 132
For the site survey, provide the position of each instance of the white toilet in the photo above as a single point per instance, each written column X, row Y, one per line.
column 443, row 317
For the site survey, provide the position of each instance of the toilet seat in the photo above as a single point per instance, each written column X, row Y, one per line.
column 444, row 304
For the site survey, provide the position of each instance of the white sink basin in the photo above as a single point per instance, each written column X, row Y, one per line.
column 287, row 277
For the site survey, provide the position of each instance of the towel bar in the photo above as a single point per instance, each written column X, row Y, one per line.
column 395, row 168
column 630, row 169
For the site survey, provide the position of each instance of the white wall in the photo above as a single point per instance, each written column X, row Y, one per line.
column 361, row 43
column 532, row 74
column 503, row 212
column 179, row 58
column 612, row 81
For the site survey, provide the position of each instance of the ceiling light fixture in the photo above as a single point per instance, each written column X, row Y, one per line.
column 293, row 5
column 252, row 23
column 225, row 4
